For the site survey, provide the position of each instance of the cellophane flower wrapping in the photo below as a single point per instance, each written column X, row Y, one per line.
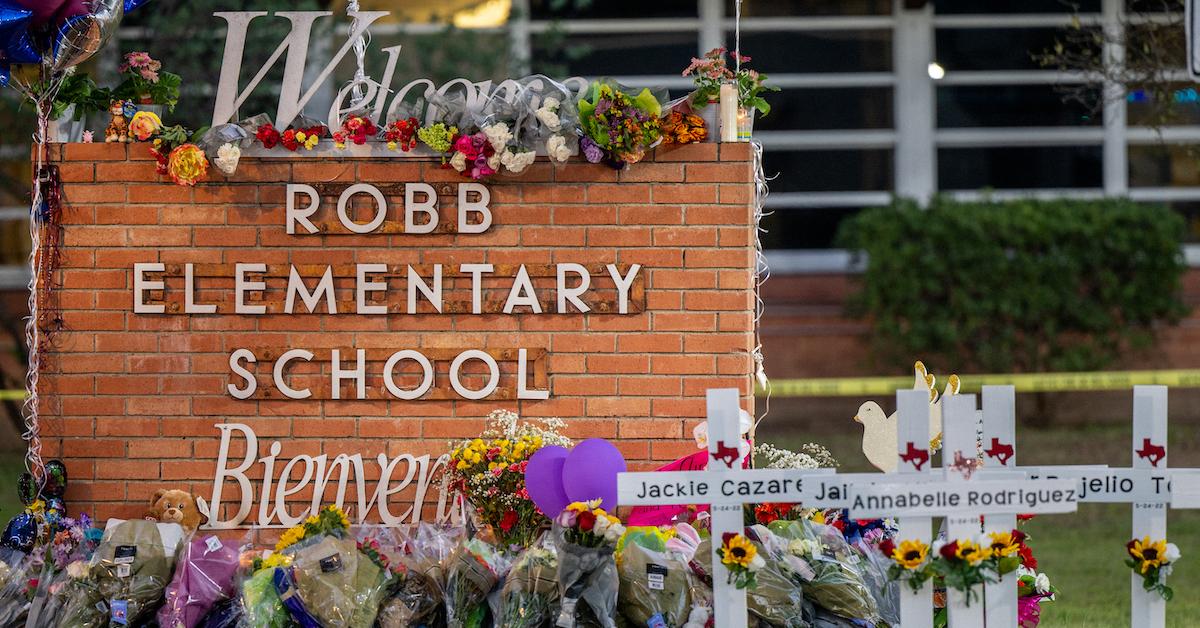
column 127, row 575
column 588, row 584
column 834, row 580
column 71, row 549
column 261, row 605
column 622, row 123
column 203, row 576
column 529, row 598
column 417, row 598
column 776, row 598
column 475, row 568
column 330, row 577
column 874, row 570
column 16, row 570
column 656, row 584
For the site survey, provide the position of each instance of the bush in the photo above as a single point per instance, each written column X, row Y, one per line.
column 1016, row 286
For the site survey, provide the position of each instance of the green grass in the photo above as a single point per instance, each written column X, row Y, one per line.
column 1083, row 553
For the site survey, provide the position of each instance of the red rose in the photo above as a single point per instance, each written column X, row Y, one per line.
column 949, row 550
column 586, row 520
column 1019, row 536
column 887, row 547
column 268, row 135
column 508, row 520
column 725, row 537
column 840, row 524
column 1024, row 517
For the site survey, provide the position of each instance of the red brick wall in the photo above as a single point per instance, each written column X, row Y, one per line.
column 130, row 400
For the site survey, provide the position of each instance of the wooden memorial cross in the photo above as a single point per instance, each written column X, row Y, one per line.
column 962, row 497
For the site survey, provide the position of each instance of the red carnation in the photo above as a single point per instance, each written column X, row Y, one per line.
column 887, row 547
column 725, row 537
column 586, row 520
column 1019, row 536
column 288, row 139
column 1024, row 517
column 949, row 550
column 268, row 135
column 1027, row 559
column 508, row 520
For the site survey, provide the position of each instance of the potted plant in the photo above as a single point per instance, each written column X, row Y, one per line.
column 146, row 85
column 78, row 98
column 710, row 72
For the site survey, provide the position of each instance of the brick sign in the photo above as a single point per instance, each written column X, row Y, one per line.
column 319, row 330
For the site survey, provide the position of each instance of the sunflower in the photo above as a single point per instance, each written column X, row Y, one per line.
column 971, row 552
column 910, row 554
column 1003, row 544
column 738, row 551
column 1148, row 553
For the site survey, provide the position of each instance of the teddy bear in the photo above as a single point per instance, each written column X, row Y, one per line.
column 174, row 506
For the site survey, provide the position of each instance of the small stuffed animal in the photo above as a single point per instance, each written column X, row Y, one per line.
column 118, row 128
column 174, row 506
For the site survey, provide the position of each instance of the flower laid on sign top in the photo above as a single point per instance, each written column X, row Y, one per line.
column 683, row 128
column 357, row 129
column 741, row 560
column 621, row 126
column 228, row 156
column 187, row 164
column 438, row 137
column 1153, row 560
column 489, row 472
column 557, row 148
column 402, row 134
column 474, row 156
column 292, row 139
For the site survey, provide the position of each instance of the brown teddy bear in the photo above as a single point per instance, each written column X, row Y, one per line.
column 174, row 506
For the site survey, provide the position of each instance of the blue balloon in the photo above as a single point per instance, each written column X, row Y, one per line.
column 131, row 5
column 21, row 532
column 16, row 46
column 4, row 75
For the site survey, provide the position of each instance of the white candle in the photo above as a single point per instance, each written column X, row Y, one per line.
column 729, row 112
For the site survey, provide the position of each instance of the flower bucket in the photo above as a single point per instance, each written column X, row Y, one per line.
column 711, row 114
column 66, row 128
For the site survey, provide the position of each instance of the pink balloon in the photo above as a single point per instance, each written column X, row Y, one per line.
column 543, row 480
column 43, row 10
column 590, row 472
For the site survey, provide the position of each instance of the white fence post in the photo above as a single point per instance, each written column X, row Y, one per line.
column 1148, row 610
column 959, row 443
column 1000, row 452
column 912, row 432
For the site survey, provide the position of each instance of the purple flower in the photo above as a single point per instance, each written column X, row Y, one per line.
column 591, row 151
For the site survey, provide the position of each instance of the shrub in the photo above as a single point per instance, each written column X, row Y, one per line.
column 1016, row 286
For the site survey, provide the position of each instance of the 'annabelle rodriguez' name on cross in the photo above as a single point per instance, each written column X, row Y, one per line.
column 366, row 289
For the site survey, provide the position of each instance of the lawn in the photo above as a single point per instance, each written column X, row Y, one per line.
column 1083, row 553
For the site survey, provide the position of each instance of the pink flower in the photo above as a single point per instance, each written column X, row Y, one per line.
column 149, row 75
column 567, row 518
column 136, row 60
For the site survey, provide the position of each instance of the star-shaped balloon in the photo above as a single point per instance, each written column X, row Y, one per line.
column 131, row 5
column 16, row 46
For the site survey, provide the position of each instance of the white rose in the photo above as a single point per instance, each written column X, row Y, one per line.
column 549, row 119
column 1042, row 583
column 458, row 162
column 498, row 135
column 937, row 546
column 227, row 158
column 77, row 570
column 493, row 162
column 698, row 615
column 1172, row 554
column 614, row 533
column 601, row 526
column 757, row 563
column 518, row 162
column 550, row 103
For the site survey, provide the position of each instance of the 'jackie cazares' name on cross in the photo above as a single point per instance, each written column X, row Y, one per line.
column 724, row 488
column 1042, row 496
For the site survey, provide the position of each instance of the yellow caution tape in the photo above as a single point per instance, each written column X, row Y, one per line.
column 12, row 395
column 1024, row 382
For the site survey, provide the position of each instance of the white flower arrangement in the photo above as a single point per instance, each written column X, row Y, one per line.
column 557, row 149
column 516, row 163
column 812, row 456
column 228, row 157
column 547, row 114
column 498, row 136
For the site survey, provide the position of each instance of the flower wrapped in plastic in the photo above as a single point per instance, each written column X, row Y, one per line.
column 529, row 598
column 776, row 597
column 827, row 568
column 261, row 605
column 475, row 568
column 127, row 575
column 203, row 576
column 66, row 560
column 585, row 537
column 656, row 583
column 885, row 590
column 16, row 570
column 417, row 597
column 620, row 125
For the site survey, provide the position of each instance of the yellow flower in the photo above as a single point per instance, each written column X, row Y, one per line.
column 312, row 520
column 300, row 136
column 339, row 145
column 1003, row 544
column 276, row 560
column 1148, row 553
column 738, row 551
column 291, row 536
column 818, row 517
column 187, row 164
column 391, row 145
column 910, row 554
column 972, row 552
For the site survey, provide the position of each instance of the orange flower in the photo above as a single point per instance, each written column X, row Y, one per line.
column 187, row 164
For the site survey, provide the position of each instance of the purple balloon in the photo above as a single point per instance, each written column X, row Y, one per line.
column 69, row 9
column 590, row 472
column 43, row 10
column 543, row 479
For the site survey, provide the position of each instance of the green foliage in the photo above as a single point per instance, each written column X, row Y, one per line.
column 164, row 92
column 1018, row 286
column 80, row 90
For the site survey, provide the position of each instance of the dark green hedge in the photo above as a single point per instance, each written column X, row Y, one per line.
column 1016, row 286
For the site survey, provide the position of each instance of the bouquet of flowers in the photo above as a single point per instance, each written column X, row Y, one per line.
column 261, row 605
column 67, row 557
column 963, row 564
column 656, row 584
column 127, row 576
column 402, row 134
column 529, row 598
column 475, row 568
column 357, row 129
column 618, row 128
column 490, row 472
column 1153, row 561
column 1033, row 588
column 306, row 136
column 827, row 567
column 875, row 570
column 203, row 576
column 146, row 83
column 439, row 137
column 585, row 537
column 16, row 589
column 416, row 598
column 711, row 70
column 755, row 558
